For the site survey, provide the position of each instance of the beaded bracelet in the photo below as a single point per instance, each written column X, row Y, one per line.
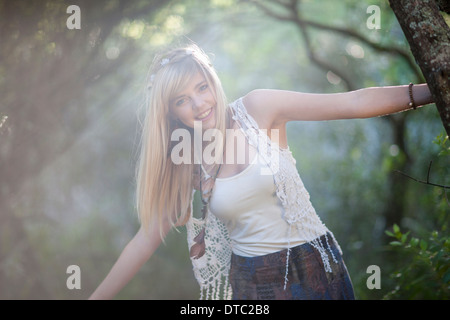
column 412, row 104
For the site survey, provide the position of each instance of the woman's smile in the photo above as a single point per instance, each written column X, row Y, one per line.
column 205, row 115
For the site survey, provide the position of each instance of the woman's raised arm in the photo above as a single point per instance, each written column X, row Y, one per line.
column 283, row 106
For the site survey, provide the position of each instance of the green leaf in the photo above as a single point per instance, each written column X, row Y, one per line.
column 436, row 258
column 414, row 242
column 404, row 238
column 447, row 244
column 396, row 228
column 423, row 245
column 389, row 233
column 395, row 243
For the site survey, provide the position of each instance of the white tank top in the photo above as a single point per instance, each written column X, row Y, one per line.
column 254, row 214
column 248, row 205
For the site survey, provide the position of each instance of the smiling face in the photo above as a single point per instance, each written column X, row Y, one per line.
column 195, row 102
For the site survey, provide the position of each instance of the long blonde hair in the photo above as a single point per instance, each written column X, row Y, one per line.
column 164, row 189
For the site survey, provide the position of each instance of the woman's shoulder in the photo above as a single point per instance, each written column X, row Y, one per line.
column 261, row 97
column 261, row 105
column 250, row 103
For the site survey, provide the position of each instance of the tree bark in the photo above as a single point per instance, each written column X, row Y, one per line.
column 429, row 38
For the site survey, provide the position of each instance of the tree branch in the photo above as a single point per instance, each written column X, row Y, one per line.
column 429, row 38
column 293, row 17
column 427, row 182
column 374, row 45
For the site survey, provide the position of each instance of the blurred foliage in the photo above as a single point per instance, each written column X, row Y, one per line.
column 71, row 102
column 425, row 272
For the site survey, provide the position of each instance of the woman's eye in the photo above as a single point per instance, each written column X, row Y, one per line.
column 180, row 102
column 204, row 87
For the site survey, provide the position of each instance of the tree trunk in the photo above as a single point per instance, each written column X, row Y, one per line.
column 429, row 38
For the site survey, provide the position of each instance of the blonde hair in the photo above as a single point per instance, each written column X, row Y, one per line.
column 164, row 189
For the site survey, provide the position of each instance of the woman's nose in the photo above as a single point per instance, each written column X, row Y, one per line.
column 197, row 102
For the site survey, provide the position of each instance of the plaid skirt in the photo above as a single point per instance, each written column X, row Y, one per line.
column 263, row 277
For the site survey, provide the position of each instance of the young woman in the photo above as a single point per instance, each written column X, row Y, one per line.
column 259, row 237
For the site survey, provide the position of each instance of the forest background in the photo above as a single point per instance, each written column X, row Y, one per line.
column 71, row 102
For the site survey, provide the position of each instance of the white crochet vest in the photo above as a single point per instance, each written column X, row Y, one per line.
column 212, row 269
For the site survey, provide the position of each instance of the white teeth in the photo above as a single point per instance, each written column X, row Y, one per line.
column 204, row 114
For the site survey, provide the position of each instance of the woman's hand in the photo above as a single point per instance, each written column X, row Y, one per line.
column 134, row 255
